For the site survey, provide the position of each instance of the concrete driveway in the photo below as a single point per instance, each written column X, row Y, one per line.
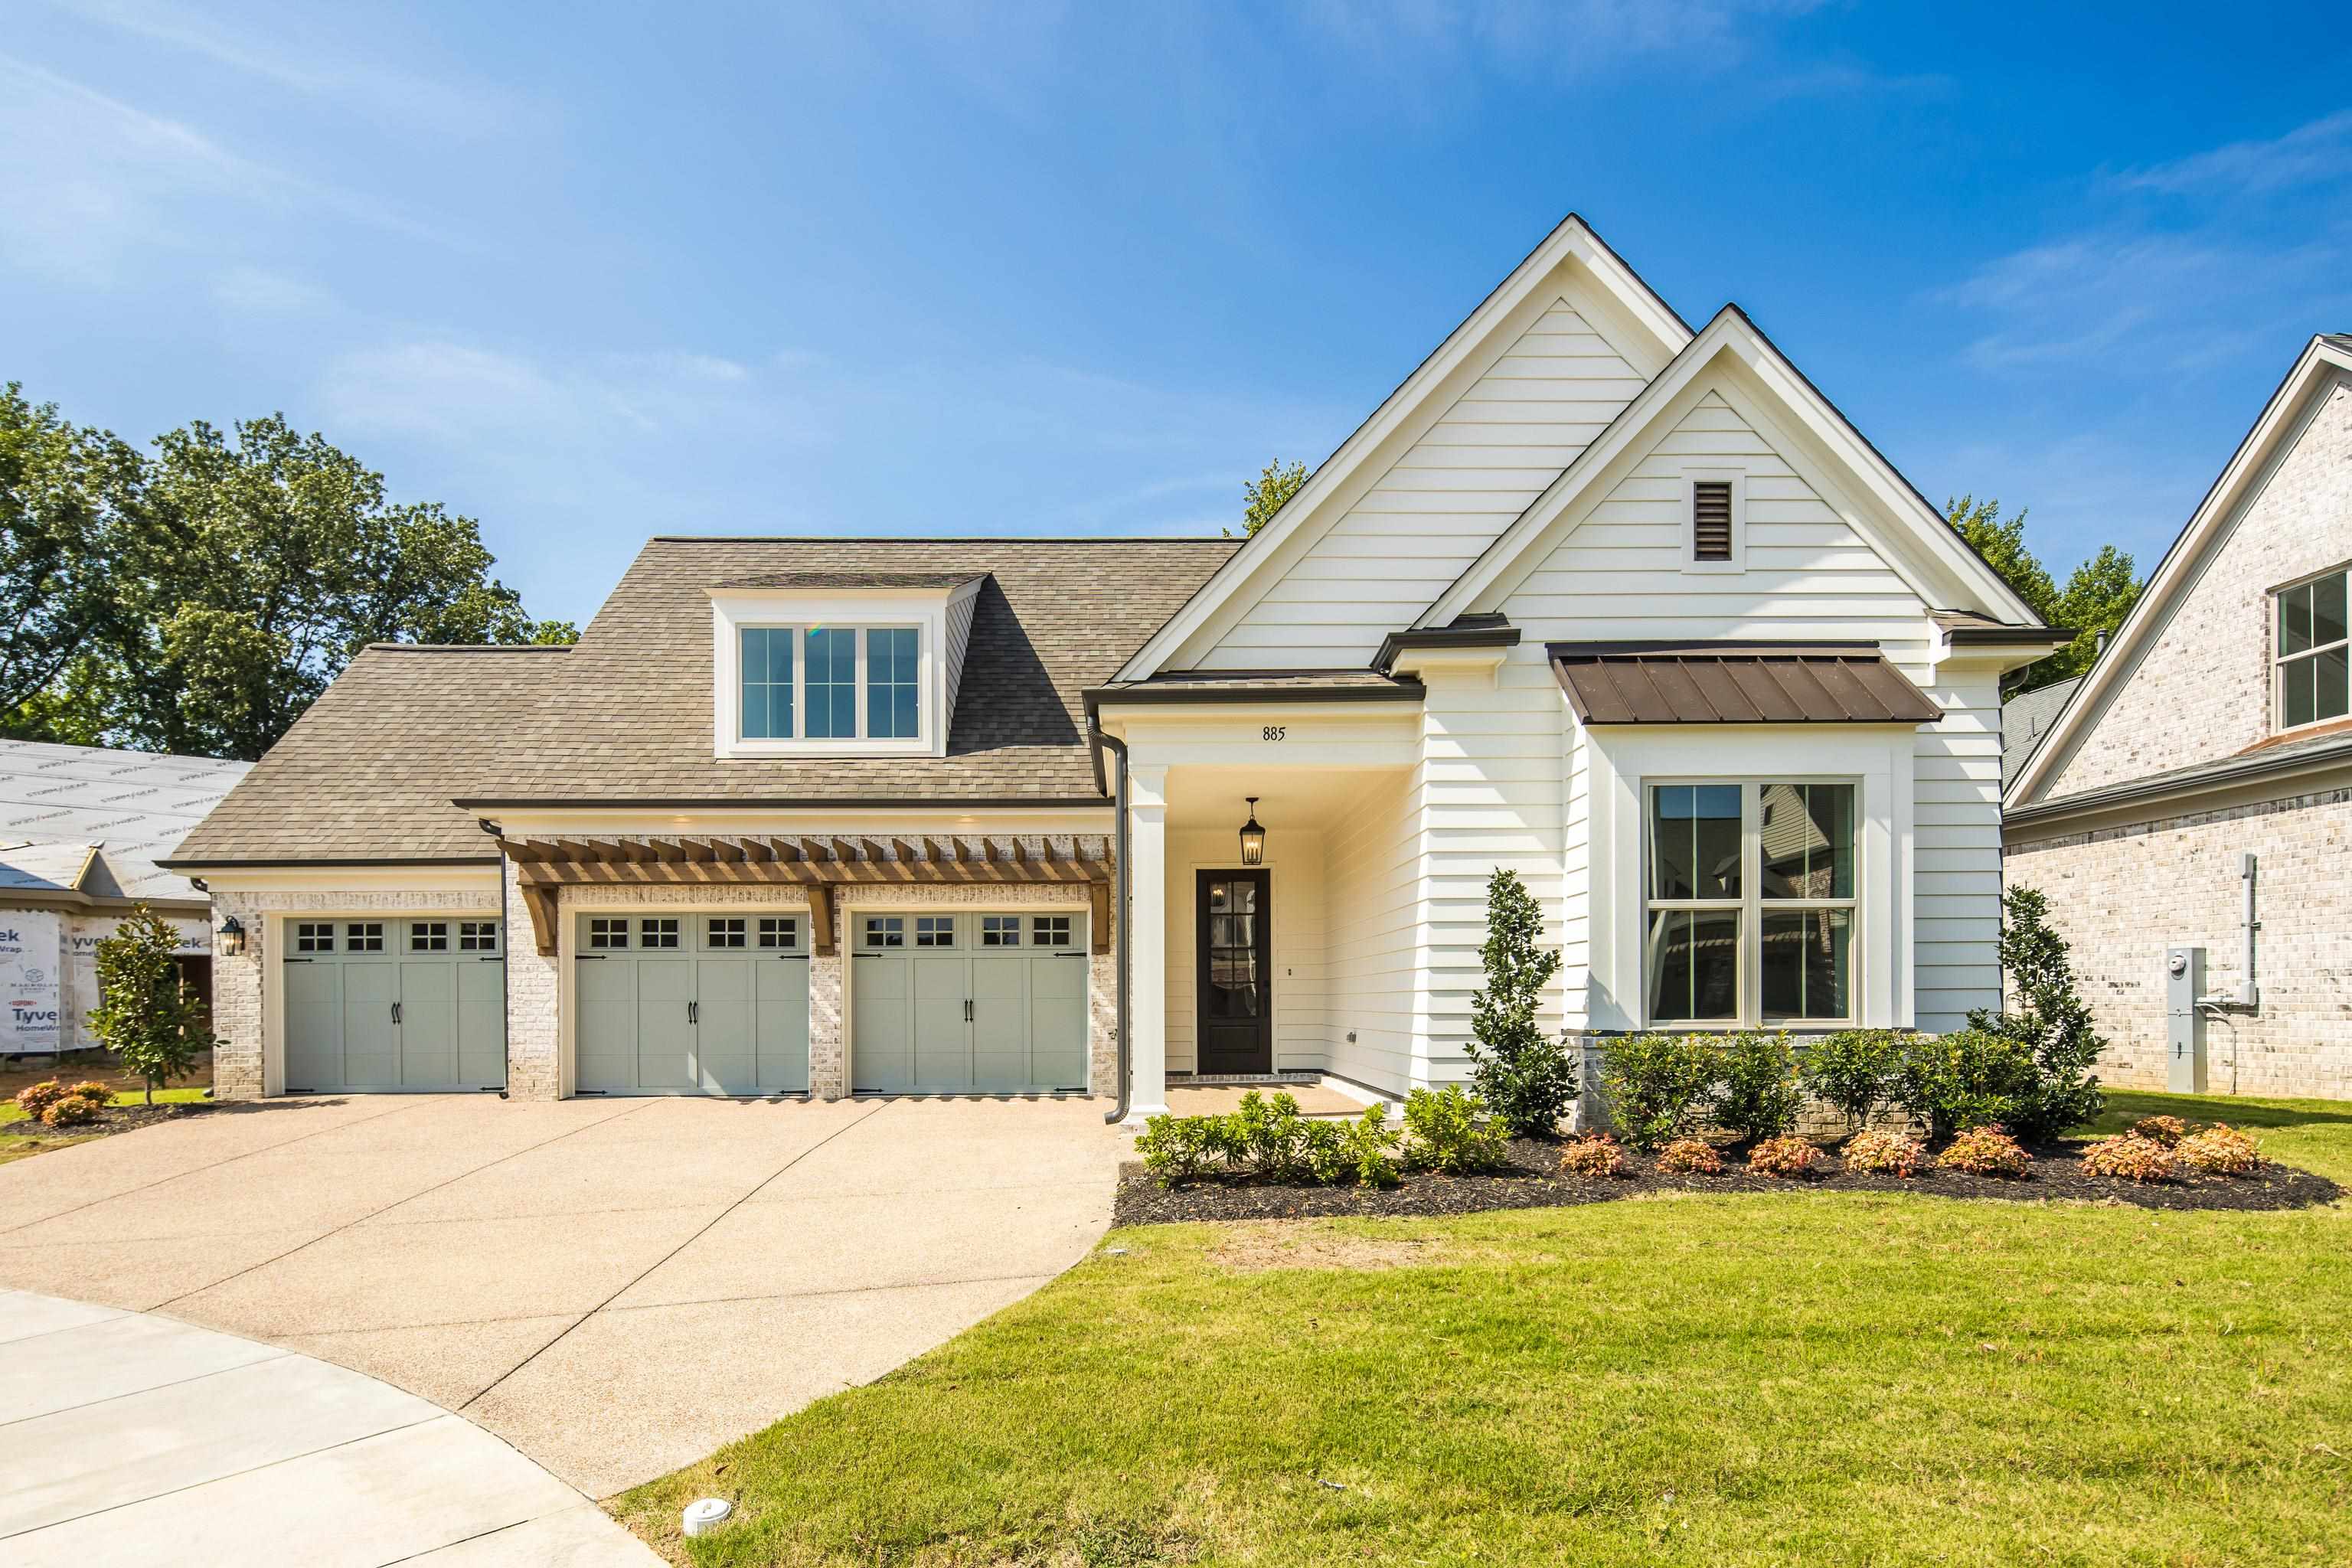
column 613, row 1286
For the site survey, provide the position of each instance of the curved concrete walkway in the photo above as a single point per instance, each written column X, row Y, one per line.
column 129, row 1437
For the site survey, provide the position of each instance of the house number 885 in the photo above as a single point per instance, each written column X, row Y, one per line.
column 1274, row 731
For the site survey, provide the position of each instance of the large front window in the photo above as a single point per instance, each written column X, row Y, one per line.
column 829, row 683
column 2312, row 646
column 1749, row 909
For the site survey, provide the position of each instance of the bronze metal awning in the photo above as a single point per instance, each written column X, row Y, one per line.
column 821, row 865
column 1736, row 683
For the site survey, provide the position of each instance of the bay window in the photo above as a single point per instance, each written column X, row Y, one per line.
column 1749, row 905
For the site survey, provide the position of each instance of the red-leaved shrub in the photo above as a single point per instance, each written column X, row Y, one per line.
column 2130, row 1158
column 1787, row 1156
column 99, row 1094
column 1594, row 1158
column 34, row 1098
column 2165, row 1129
column 1886, row 1153
column 1985, row 1152
column 2220, row 1150
column 1690, row 1157
column 73, row 1111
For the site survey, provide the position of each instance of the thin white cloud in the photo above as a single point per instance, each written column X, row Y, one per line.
column 2312, row 153
column 314, row 67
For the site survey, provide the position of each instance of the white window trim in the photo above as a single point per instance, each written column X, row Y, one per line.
column 1693, row 475
column 1752, row 906
column 2279, row 726
column 926, row 612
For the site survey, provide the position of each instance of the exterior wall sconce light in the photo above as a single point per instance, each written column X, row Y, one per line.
column 1253, row 838
column 232, row 937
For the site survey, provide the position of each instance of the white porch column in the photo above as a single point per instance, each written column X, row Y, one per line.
column 1147, row 916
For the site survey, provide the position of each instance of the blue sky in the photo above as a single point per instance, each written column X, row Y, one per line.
column 594, row 272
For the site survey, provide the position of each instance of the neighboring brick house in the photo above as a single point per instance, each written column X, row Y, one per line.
column 1622, row 605
column 2217, row 724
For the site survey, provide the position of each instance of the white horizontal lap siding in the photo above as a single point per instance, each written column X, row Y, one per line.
column 1450, row 494
column 1295, row 862
column 1956, row 827
column 1809, row 575
column 1372, row 896
column 1494, row 796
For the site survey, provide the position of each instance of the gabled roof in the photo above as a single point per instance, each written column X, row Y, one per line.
column 409, row 747
column 1935, row 562
column 91, row 821
column 1572, row 240
column 2325, row 358
column 2025, row 720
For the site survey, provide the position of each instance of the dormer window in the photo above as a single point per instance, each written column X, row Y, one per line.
column 868, row 669
column 2311, row 682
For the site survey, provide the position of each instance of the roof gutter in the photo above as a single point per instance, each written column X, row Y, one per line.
column 1199, row 694
column 2252, row 771
column 1119, row 912
column 1466, row 631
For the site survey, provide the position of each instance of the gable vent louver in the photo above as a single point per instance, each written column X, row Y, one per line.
column 1711, row 519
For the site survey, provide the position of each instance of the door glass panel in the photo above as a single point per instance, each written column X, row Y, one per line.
column 314, row 936
column 1236, row 989
column 780, row 930
column 429, row 936
column 478, row 936
column 364, row 936
column 608, row 932
column 723, row 931
column 1806, row 963
column 886, row 931
column 1000, row 930
column 1807, row 840
column 1695, row 841
column 662, row 933
column 1693, row 964
column 934, row 931
column 1050, row 931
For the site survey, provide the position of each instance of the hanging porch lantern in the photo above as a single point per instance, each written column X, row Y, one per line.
column 1253, row 838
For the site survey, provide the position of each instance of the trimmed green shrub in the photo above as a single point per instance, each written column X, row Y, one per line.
column 1886, row 1153
column 1269, row 1136
column 1595, row 1157
column 1783, row 1156
column 1972, row 1078
column 1690, row 1157
column 34, row 1098
column 2053, row 1025
column 1450, row 1131
column 2131, row 1158
column 2220, row 1150
column 1986, row 1152
column 1181, row 1148
column 1363, row 1150
column 1759, row 1097
column 1857, row 1070
column 1657, row 1085
column 1520, row 1070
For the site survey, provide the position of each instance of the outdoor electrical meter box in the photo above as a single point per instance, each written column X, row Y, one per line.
column 2184, row 1021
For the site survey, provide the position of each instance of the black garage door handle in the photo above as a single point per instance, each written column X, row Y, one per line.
column 694, row 1012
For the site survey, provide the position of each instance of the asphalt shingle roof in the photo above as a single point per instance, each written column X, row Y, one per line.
column 370, row 770
column 2025, row 719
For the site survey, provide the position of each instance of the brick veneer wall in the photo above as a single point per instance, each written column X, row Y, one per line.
column 2123, row 895
column 2202, row 690
column 239, row 990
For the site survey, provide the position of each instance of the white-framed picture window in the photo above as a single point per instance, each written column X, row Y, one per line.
column 829, row 683
column 2311, row 683
column 1751, row 907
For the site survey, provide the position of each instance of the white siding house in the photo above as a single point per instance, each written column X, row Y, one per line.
column 1627, row 608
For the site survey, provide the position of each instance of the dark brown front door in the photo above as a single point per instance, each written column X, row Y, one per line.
column 1236, row 989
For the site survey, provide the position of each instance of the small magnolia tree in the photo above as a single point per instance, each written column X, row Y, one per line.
column 144, row 1014
column 1521, row 1072
column 2052, row 1021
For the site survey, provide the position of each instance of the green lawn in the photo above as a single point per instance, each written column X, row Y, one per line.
column 1803, row 1378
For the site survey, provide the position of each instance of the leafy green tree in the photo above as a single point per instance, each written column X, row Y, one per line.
column 1264, row 495
column 144, row 1014
column 199, row 599
column 63, row 495
column 2097, row 596
column 1521, row 1071
column 2052, row 1022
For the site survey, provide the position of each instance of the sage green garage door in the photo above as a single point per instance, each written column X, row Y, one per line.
column 394, row 1004
column 968, row 1004
column 691, row 1004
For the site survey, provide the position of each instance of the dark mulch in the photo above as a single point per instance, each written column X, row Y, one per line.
column 117, row 1118
column 1534, row 1181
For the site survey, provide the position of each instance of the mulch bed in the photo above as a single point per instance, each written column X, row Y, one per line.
column 117, row 1118
column 1535, row 1180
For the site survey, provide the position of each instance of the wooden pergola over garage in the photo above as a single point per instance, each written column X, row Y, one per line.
column 822, row 864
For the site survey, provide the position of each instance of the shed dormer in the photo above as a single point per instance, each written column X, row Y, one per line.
column 841, row 664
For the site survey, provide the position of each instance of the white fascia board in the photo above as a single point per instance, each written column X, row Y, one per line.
column 2284, row 416
column 1790, row 406
column 1571, row 240
column 849, row 820
column 333, row 881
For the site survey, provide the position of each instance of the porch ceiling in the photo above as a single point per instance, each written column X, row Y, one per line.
column 1288, row 798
